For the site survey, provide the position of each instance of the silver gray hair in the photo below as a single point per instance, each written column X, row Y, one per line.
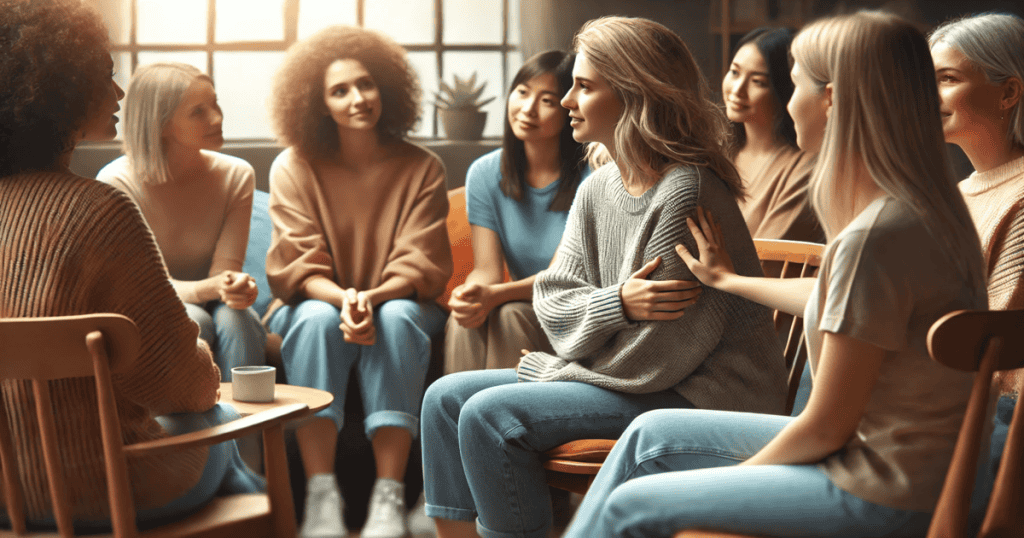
column 154, row 94
column 994, row 42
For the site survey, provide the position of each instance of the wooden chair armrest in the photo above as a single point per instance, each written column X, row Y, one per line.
column 211, row 436
column 582, row 450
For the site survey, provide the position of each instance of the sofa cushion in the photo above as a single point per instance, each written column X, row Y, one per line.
column 256, row 252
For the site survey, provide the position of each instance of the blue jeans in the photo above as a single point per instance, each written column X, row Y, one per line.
column 674, row 470
column 236, row 337
column 391, row 372
column 483, row 434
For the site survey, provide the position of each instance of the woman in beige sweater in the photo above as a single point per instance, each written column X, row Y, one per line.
column 358, row 255
column 71, row 245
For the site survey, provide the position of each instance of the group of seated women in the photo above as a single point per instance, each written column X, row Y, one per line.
column 623, row 203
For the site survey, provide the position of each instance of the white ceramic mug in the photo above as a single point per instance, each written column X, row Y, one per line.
column 253, row 383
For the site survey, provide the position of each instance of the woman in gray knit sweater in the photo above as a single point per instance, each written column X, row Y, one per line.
column 622, row 345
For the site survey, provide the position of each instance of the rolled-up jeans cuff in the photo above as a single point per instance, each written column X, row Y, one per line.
column 484, row 532
column 453, row 514
column 395, row 419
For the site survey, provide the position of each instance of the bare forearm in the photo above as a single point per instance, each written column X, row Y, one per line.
column 324, row 289
column 197, row 291
column 519, row 290
column 392, row 288
column 799, row 442
column 788, row 295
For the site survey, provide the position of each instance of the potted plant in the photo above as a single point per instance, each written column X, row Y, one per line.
column 459, row 108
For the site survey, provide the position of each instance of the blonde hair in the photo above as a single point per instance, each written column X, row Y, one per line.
column 884, row 118
column 994, row 42
column 668, row 117
column 154, row 94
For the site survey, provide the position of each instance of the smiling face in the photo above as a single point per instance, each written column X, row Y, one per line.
column 809, row 109
column 594, row 109
column 969, row 103
column 351, row 95
column 533, row 109
column 101, row 123
column 747, row 89
column 196, row 123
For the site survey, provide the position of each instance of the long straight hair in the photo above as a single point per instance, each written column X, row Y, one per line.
column 994, row 43
column 154, row 94
column 773, row 45
column 668, row 118
column 885, row 117
column 570, row 152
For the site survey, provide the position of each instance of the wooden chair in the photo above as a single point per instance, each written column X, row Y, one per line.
column 983, row 342
column 573, row 465
column 96, row 345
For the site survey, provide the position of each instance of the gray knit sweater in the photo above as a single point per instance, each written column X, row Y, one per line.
column 723, row 354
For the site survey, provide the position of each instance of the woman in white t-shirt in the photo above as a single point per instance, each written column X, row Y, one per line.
column 196, row 201
column 868, row 454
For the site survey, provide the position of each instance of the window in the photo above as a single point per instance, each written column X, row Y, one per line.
column 241, row 43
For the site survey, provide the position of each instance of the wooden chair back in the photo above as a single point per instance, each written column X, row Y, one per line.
column 983, row 342
column 573, row 465
column 43, row 349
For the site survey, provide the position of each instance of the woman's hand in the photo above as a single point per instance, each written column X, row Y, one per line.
column 357, row 318
column 471, row 303
column 656, row 300
column 237, row 290
column 714, row 263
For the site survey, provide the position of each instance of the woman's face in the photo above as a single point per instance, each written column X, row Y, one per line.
column 351, row 95
column 970, row 104
column 101, row 123
column 809, row 109
column 533, row 109
column 594, row 109
column 196, row 123
column 746, row 88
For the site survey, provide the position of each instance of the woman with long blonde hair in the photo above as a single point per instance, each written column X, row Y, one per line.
column 615, row 356
column 868, row 454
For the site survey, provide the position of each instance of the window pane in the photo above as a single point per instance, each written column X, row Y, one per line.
column 513, row 61
column 315, row 15
column 181, row 21
column 487, row 66
column 116, row 16
column 407, row 21
column 122, row 74
column 244, row 81
column 194, row 58
column 425, row 64
column 249, row 20
column 472, row 21
column 513, row 22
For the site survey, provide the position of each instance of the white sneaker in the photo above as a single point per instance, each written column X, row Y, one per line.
column 385, row 518
column 420, row 525
column 324, row 516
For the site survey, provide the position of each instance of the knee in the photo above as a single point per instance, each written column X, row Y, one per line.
column 199, row 315
column 315, row 316
column 485, row 416
column 625, row 504
column 244, row 321
column 402, row 311
column 515, row 311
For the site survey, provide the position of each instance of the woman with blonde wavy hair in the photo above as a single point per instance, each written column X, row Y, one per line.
column 196, row 201
column 621, row 345
column 868, row 454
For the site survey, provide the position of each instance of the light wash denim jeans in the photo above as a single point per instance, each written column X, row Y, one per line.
column 236, row 337
column 391, row 372
column 483, row 434
column 672, row 470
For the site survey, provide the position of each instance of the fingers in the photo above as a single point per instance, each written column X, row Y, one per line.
column 665, row 286
column 647, row 269
column 524, row 352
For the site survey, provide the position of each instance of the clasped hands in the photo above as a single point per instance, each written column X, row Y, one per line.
column 471, row 303
column 237, row 290
column 357, row 318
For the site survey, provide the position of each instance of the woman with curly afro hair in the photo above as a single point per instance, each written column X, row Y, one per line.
column 71, row 245
column 358, row 255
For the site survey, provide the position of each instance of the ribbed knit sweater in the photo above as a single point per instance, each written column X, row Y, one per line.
column 722, row 354
column 995, row 200
column 70, row 245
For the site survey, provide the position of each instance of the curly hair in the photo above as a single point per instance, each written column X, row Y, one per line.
column 298, row 111
column 668, row 117
column 55, row 67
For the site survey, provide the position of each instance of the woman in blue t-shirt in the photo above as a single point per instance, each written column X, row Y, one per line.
column 517, row 200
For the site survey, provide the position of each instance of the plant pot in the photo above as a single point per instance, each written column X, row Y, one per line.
column 463, row 124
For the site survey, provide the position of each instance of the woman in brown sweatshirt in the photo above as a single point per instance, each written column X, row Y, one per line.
column 359, row 253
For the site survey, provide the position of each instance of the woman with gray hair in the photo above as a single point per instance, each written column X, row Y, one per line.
column 196, row 201
column 979, row 65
